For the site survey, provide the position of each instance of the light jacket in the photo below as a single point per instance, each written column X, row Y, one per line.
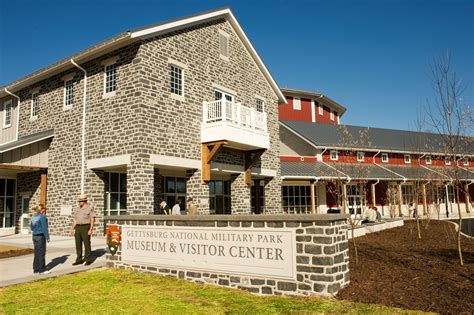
column 39, row 225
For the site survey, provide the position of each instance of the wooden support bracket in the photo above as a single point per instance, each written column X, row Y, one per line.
column 208, row 152
column 250, row 161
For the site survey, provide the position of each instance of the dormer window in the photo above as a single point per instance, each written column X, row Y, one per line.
column 465, row 162
column 447, row 161
column 360, row 156
column 333, row 155
column 428, row 160
column 407, row 158
column 296, row 104
column 384, row 157
column 332, row 115
column 320, row 109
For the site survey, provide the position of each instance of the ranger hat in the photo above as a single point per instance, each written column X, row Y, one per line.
column 82, row 197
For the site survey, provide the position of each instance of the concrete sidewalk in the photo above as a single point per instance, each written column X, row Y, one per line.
column 60, row 254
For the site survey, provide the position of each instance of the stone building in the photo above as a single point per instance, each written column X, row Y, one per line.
column 182, row 108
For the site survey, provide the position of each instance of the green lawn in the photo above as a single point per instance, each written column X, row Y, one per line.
column 111, row 291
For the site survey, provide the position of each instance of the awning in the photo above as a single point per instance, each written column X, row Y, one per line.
column 27, row 140
column 309, row 170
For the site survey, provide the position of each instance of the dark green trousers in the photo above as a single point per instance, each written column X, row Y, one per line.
column 81, row 236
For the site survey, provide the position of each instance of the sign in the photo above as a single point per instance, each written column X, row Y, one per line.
column 113, row 238
column 66, row 210
column 261, row 252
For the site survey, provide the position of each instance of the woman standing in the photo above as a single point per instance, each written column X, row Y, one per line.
column 39, row 228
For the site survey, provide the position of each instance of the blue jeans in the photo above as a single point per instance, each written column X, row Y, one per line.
column 39, row 264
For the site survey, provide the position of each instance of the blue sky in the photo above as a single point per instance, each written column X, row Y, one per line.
column 373, row 57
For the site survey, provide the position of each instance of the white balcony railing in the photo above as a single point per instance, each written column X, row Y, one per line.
column 235, row 113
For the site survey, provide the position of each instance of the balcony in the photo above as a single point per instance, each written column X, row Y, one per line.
column 241, row 127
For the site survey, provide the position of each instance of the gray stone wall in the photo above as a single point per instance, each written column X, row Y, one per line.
column 143, row 119
column 27, row 184
column 322, row 258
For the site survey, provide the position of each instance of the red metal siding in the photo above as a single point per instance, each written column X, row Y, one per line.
column 298, row 158
column 325, row 118
column 286, row 111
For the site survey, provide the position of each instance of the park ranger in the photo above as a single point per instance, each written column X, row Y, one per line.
column 82, row 225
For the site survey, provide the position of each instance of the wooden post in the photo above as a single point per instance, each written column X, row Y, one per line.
column 372, row 192
column 423, row 194
column 399, row 197
column 43, row 189
column 344, row 198
column 313, row 198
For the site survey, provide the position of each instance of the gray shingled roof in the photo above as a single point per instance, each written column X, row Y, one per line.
column 345, row 136
column 416, row 172
column 308, row 169
column 365, row 171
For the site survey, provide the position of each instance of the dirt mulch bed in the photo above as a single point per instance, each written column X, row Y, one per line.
column 397, row 269
column 11, row 251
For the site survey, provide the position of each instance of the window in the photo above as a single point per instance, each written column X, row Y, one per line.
column 465, row 162
column 223, row 45
column 384, row 157
column 360, row 156
column 261, row 198
column 176, row 80
column 332, row 115
column 428, row 159
column 320, row 109
column 110, row 78
column 447, row 161
column 116, row 194
column 7, row 202
column 355, row 198
column 219, row 197
column 407, row 158
column 219, row 95
column 296, row 199
column 334, row 155
column 260, row 105
column 34, row 105
column 407, row 194
column 175, row 189
column 296, row 104
column 68, row 93
column 7, row 114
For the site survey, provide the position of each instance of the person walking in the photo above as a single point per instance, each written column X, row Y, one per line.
column 39, row 229
column 82, row 225
column 176, row 210
column 192, row 209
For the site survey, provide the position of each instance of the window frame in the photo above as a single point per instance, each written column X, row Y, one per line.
column 320, row 109
column 214, row 196
column 65, row 96
column 336, row 155
column 384, row 157
column 109, row 192
column 407, row 161
column 447, row 161
column 34, row 105
column 296, row 199
column 332, row 115
column 8, row 103
column 173, row 66
column 465, row 161
column 107, row 63
column 262, row 105
column 296, row 100
column 360, row 156
column 428, row 160
column 221, row 35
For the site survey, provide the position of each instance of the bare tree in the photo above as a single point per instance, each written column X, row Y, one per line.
column 452, row 119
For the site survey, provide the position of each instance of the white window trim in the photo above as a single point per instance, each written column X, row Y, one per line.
column 67, row 107
column 360, row 156
column 465, row 162
column 183, row 72
column 447, row 161
column 331, row 115
column 257, row 98
column 384, row 157
column 106, row 63
column 428, row 160
column 226, row 58
column 331, row 154
column 296, row 100
column 33, row 118
column 313, row 111
column 5, row 104
column 320, row 109
column 407, row 161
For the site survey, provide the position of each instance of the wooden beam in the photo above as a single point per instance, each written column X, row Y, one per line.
column 16, row 167
column 43, row 188
column 208, row 152
column 249, row 161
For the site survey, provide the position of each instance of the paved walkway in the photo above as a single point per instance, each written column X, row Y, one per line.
column 60, row 255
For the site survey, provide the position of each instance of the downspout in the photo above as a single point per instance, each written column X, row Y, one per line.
column 373, row 192
column 17, row 112
column 83, row 144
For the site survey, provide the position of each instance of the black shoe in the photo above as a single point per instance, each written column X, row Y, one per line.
column 78, row 262
column 88, row 263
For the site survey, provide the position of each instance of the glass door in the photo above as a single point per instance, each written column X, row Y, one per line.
column 25, row 215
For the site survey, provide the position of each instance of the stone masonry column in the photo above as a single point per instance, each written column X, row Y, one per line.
column 198, row 191
column 240, row 194
column 140, row 185
column 272, row 195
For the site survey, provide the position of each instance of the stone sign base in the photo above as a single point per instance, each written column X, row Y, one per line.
column 310, row 257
